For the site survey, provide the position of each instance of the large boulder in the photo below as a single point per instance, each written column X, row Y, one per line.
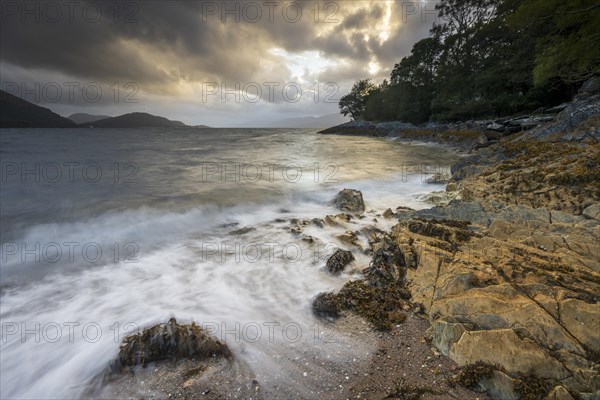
column 350, row 200
column 168, row 341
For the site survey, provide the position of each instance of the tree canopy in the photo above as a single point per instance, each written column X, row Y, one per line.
column 354, row 102
column 487, row 58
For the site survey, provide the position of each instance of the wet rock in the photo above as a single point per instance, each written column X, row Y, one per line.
column 350, row 200
column 318, row 222
column 242, row 231
column 452, row 187
column 348, row 238
column 325, row 305
column 168, row 341
column 388, row 265
column 381, row 306
column 338, row 219
column 439, row 178
column 308, row 239
column 330, row 220
column 388, row 213
column 339, row 260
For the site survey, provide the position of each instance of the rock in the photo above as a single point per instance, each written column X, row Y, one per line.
column 168, row 341
column 308, row 239
column 451, row 187
column 388, row 265
column 458, row 210
column 439, row 177
column 584, row 108
column 388, row 213
column 500, row 386
column 590, row 396
column 493, row 126
column 559, row 393
column 583, row 321
column 564, row 218
column 394, row 126
column 318, row 222
column 445, row 334
column 242, row 231
column 325, row 306
column 380, row 305
column 396, row 317
column 556, row 109
column 592, row 212
column 348, row 238
column 447, row 230
column 350, row 200
column 339, row 260
column 501, row 306
column 589, row 87
column 516, row 355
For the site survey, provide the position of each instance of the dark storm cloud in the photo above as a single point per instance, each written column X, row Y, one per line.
column 109, row 50
column 190, row 38
column 170, row 48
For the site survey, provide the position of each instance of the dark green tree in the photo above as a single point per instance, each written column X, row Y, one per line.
column 354, row 103
column 567, row 38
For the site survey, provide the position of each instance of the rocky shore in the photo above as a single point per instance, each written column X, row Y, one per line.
column 494, row 292
column 574, row 121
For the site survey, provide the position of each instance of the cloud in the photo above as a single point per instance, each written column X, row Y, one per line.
column 170, row 48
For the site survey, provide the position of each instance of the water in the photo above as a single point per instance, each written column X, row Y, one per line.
column 104, row 231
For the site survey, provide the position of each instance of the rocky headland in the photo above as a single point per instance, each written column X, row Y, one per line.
column 578, row 120
column 507, row 267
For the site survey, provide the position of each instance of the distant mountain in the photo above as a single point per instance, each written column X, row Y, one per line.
column 83, row 118
column 135, row 120
column 323, row 121
column 18, row 113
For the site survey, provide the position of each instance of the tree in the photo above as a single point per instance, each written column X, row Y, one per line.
column 488, row 58
column 354, row 103
column 568, row 40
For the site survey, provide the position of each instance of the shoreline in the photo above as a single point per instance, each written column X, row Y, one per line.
column 497, row 286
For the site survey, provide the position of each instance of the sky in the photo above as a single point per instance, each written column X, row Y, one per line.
column 217, row 63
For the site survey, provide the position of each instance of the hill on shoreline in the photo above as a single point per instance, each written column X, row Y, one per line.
column 135, row 120
column 84, row 118
column 18, row 113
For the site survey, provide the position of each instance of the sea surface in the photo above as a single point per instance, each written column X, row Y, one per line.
column 107, row 231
